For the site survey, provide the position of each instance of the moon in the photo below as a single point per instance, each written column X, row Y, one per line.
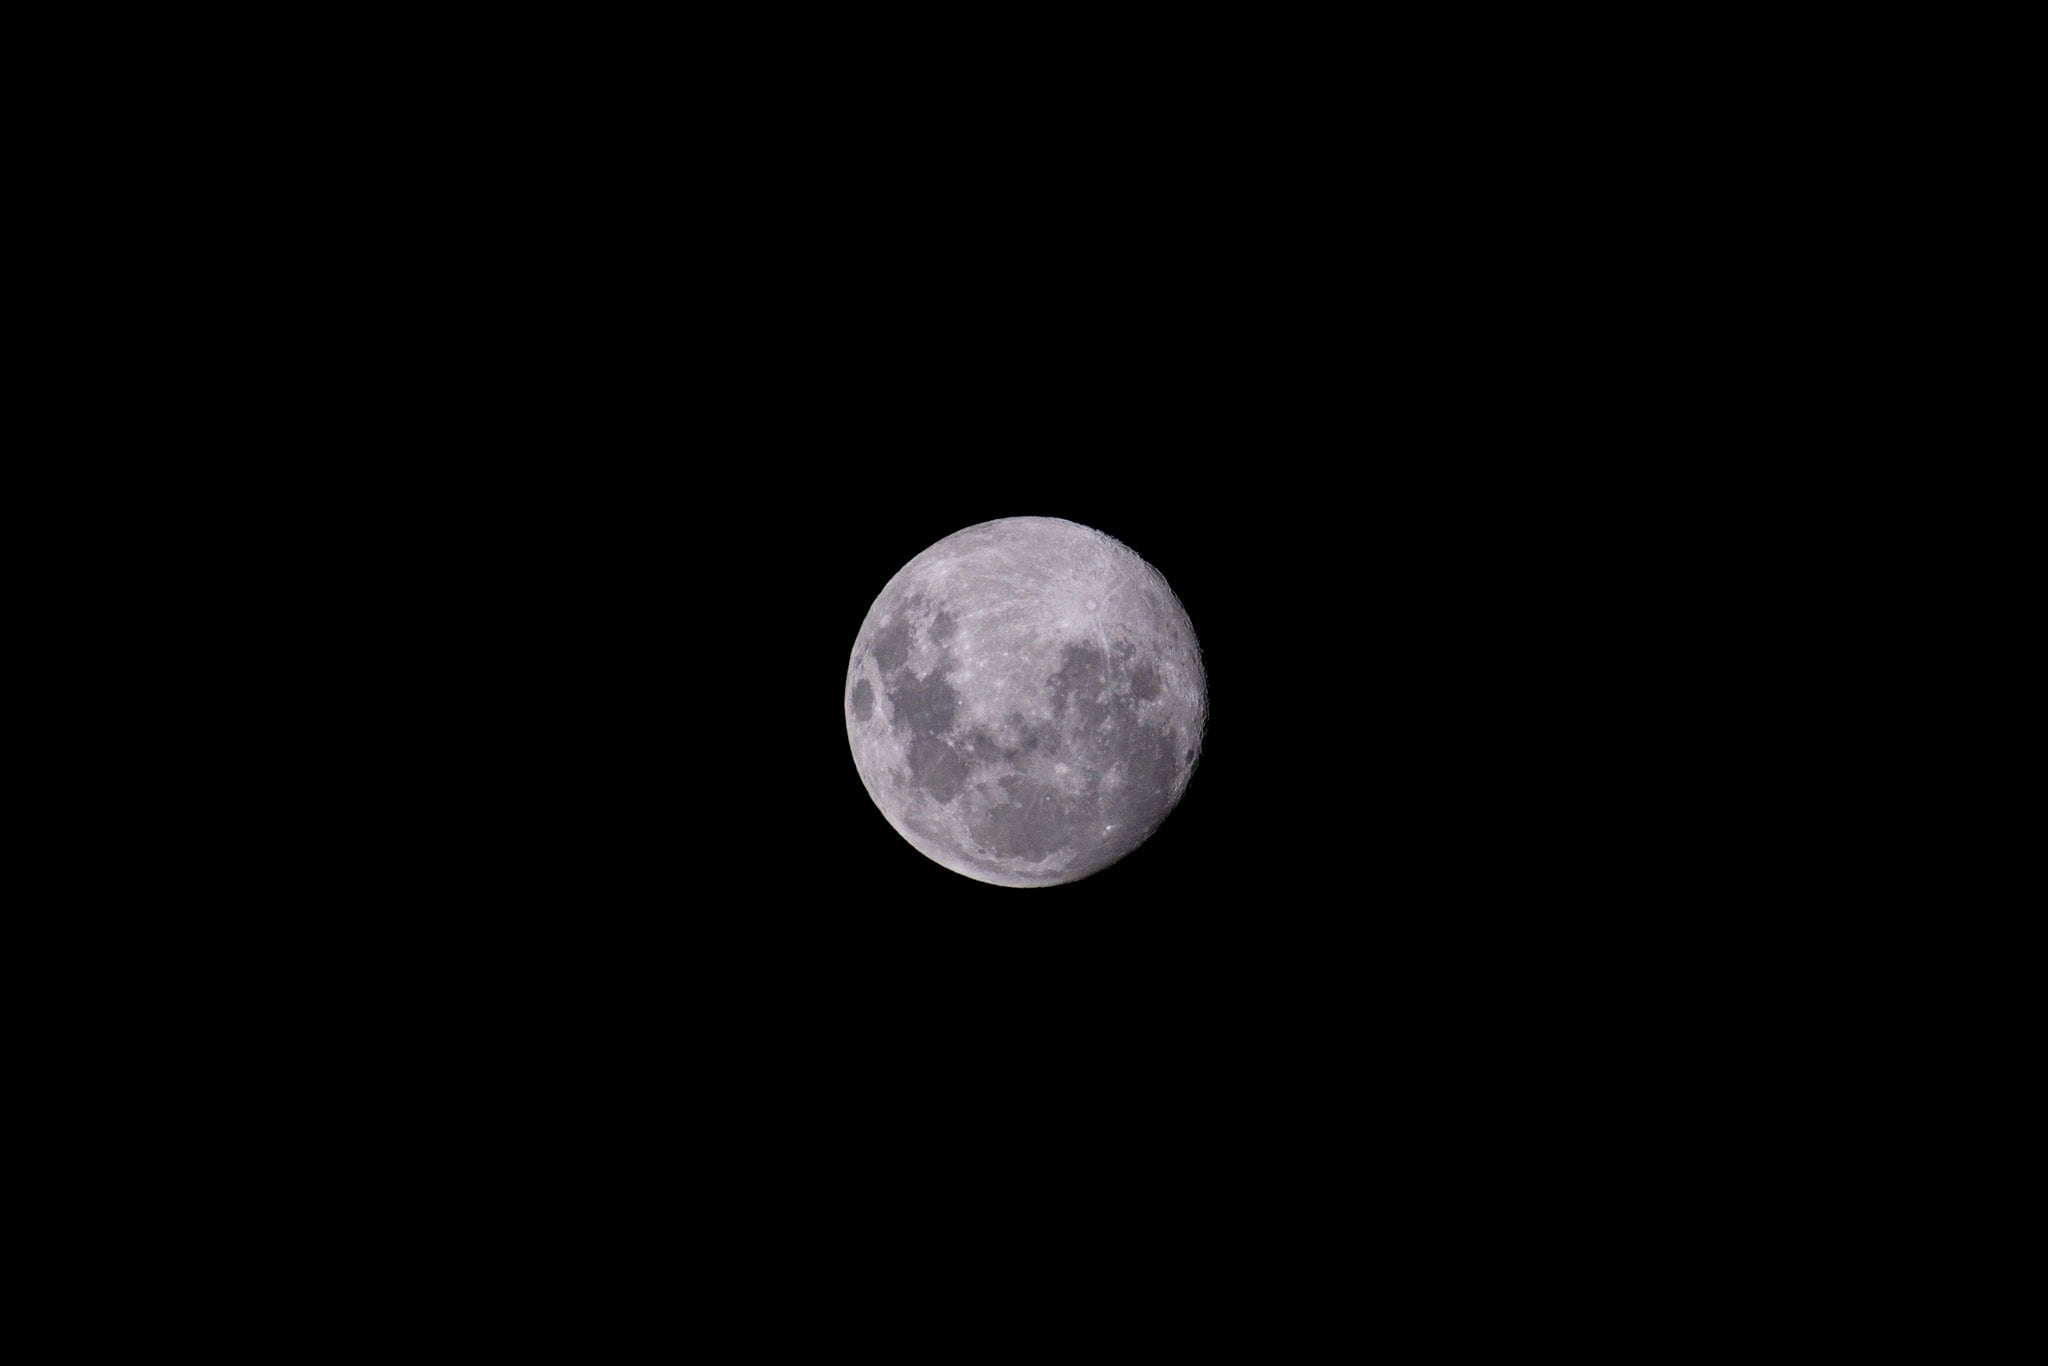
column 1026, row 701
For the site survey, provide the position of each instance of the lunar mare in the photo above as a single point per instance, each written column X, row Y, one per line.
column 1026, row 701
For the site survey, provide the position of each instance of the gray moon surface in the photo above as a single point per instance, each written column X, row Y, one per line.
column 1026, row 701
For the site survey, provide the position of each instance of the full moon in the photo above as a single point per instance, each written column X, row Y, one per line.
column 1026, row 701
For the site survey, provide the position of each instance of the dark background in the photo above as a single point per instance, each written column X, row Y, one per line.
column 624, row 914
column 613, row 661
column 1414, row 683
column 627, row 435
column 579, row 412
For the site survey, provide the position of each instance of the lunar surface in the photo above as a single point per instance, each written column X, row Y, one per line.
column 1026, row 701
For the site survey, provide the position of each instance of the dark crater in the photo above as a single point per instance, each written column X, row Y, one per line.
column 1037, row 822
column 1079, row 685
column 938, row 768
column 984, row 748
column 1110, row 730
column 1150, row 767
column 891, row 646
column 924, row 706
